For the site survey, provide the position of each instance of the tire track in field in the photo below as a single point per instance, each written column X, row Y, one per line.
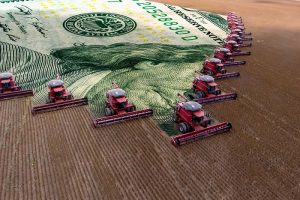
column 277, row 145
column 282, row 176
column 70, row 159
column 208, row 174
column 68, row 150
column 10, row 142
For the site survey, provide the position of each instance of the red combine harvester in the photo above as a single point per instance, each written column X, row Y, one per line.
column 239, row 32
column 58, row 98
column 234, row 37
column 215, row 68
column 233, row 25
column 118, row 108
column 242, row 28
column 231, row 16
column 237, row 38
column 225, row 56
column 207, row 91
column 234, row 48
column 9, row 88
column 194, row 124
column 236, row 22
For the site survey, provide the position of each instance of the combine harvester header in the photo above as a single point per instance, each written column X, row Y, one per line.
column 118, row 109
column 179, row 140
column 217, row 98
column 107, row 120
column 9, row 88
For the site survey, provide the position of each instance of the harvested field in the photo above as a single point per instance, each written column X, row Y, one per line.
column 59, row 155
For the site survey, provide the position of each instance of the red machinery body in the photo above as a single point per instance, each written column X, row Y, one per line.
column 234, row 37
column 215, row 68
column 239, row 32
column 207, row 91
column 238, row 39
column 236, row 22
column 224, row 55
column 234, row 48
column 58, row 98
column 193, row 123
column 118, row 108
column 9, row 88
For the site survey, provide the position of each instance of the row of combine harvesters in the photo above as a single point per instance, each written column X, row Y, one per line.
column 192, row 121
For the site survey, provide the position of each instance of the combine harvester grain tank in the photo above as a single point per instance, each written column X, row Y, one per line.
column 9, row 88
column 118, row 108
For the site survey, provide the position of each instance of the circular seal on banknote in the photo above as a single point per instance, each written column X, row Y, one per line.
column 99, row 24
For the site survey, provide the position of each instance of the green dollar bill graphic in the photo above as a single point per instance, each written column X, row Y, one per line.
column 151, row 50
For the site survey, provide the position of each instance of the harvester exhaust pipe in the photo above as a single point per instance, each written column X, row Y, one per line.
column 182, row 96
column 114, row 84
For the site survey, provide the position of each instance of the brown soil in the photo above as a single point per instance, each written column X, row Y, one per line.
column 60, row 155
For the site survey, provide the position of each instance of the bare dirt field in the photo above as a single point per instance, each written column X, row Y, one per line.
column 60, row 155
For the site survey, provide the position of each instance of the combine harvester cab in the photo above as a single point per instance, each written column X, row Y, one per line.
column 58, row 98
column 9, row 88
column 234, row 49
column 225, row 56
column 206, row 91
column 215, row 68
column 118, row 108
column 194, row 124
